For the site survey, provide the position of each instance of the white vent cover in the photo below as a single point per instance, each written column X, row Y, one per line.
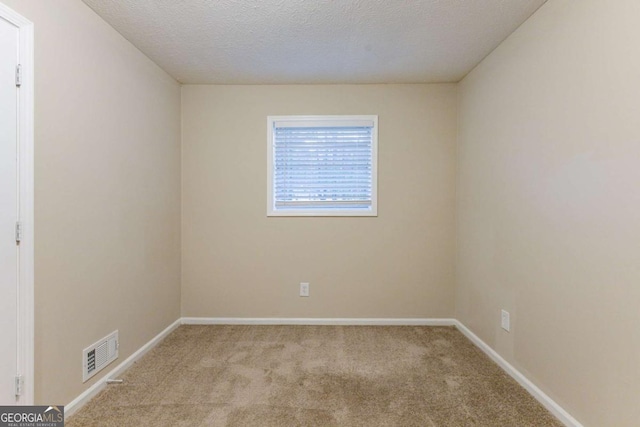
column 100, row 354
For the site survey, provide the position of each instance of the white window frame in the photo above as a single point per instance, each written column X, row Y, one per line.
column 372, row 211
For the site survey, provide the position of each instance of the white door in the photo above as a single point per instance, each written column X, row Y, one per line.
column 8, row 211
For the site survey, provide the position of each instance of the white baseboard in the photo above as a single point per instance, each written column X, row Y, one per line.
column 533, row 390
column 538, row 394
column 79, row 401
column 316, row 321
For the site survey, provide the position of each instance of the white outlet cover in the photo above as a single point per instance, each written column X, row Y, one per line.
column 506, row 321
column 304, row 289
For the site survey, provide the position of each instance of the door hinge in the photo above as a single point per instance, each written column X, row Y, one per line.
column 19, row 385
column 18, row 232
column 18, row 75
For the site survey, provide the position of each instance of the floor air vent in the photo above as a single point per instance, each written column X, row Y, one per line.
column 100, row 354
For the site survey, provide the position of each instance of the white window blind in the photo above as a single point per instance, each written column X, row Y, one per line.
column 323, row 165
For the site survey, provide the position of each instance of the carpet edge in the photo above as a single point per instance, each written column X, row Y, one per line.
column 551, row 405
column 96, row 388
column 318, row 321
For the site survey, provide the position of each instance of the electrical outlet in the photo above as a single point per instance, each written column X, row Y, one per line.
column 304, row 289
column 506, row 322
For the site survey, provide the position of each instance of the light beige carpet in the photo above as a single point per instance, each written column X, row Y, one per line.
column 314, row 376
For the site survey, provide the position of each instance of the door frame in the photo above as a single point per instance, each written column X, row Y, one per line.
column 26, row 315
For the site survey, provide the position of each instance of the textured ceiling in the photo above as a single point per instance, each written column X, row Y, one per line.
column 315, row 41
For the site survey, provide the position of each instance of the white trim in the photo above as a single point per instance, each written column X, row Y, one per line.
column 81, row 400
column 26, row 196
column 346, row 120
column 562, row 415
column 316, row 321
column 533, row 390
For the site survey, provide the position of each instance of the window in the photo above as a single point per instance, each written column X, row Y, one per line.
column 322, row 165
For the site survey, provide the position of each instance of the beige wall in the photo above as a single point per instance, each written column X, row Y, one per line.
column 547, row 188
column 107, row 193
column 237, row 262
column 548, row 201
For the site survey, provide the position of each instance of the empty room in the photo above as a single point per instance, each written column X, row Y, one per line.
column 320, row 213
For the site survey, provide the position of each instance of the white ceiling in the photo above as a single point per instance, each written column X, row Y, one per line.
column 315, row 41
